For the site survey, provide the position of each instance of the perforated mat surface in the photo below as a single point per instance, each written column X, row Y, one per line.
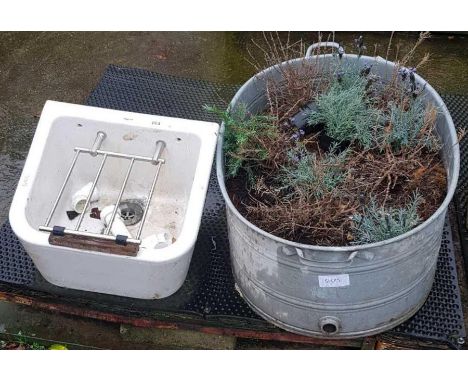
column 208, row 292
column 459, row 104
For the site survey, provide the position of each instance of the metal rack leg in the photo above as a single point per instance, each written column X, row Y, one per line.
column 80, row 220
column 150, row 195
column 158, row 161
column 67, row 177
column 114, row 212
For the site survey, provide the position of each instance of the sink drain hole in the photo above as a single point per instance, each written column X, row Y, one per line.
column 131, row 212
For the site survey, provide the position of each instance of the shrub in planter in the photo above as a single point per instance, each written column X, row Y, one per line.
column 289, row 172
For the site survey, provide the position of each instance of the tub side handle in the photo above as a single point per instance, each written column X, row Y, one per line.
column 325, row 44
column 313, row 259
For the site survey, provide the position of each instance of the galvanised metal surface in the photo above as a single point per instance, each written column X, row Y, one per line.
column 208, row 291
column 336, row 292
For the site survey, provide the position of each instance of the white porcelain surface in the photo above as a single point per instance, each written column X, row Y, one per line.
column 176, row 205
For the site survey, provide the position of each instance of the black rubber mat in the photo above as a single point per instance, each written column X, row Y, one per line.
column 208, row 293
column 441, row 317
column 15, row 265
column 459, row 105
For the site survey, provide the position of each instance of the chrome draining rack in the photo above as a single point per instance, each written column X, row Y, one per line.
column 95, row 151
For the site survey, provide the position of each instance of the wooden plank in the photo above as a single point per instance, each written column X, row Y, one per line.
column 203, row 327
column 368, row 343
column 395, row 342
column 176, row 321
column 94, row 244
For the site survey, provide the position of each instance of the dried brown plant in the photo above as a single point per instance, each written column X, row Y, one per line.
column 300, row 83
column 388, row 176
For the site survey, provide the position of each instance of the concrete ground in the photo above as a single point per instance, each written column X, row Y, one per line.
column 65, row 66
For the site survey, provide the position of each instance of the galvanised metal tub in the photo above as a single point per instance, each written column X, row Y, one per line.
column 336, row 292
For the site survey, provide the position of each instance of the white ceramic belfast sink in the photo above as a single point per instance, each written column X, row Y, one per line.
column 182, row 161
